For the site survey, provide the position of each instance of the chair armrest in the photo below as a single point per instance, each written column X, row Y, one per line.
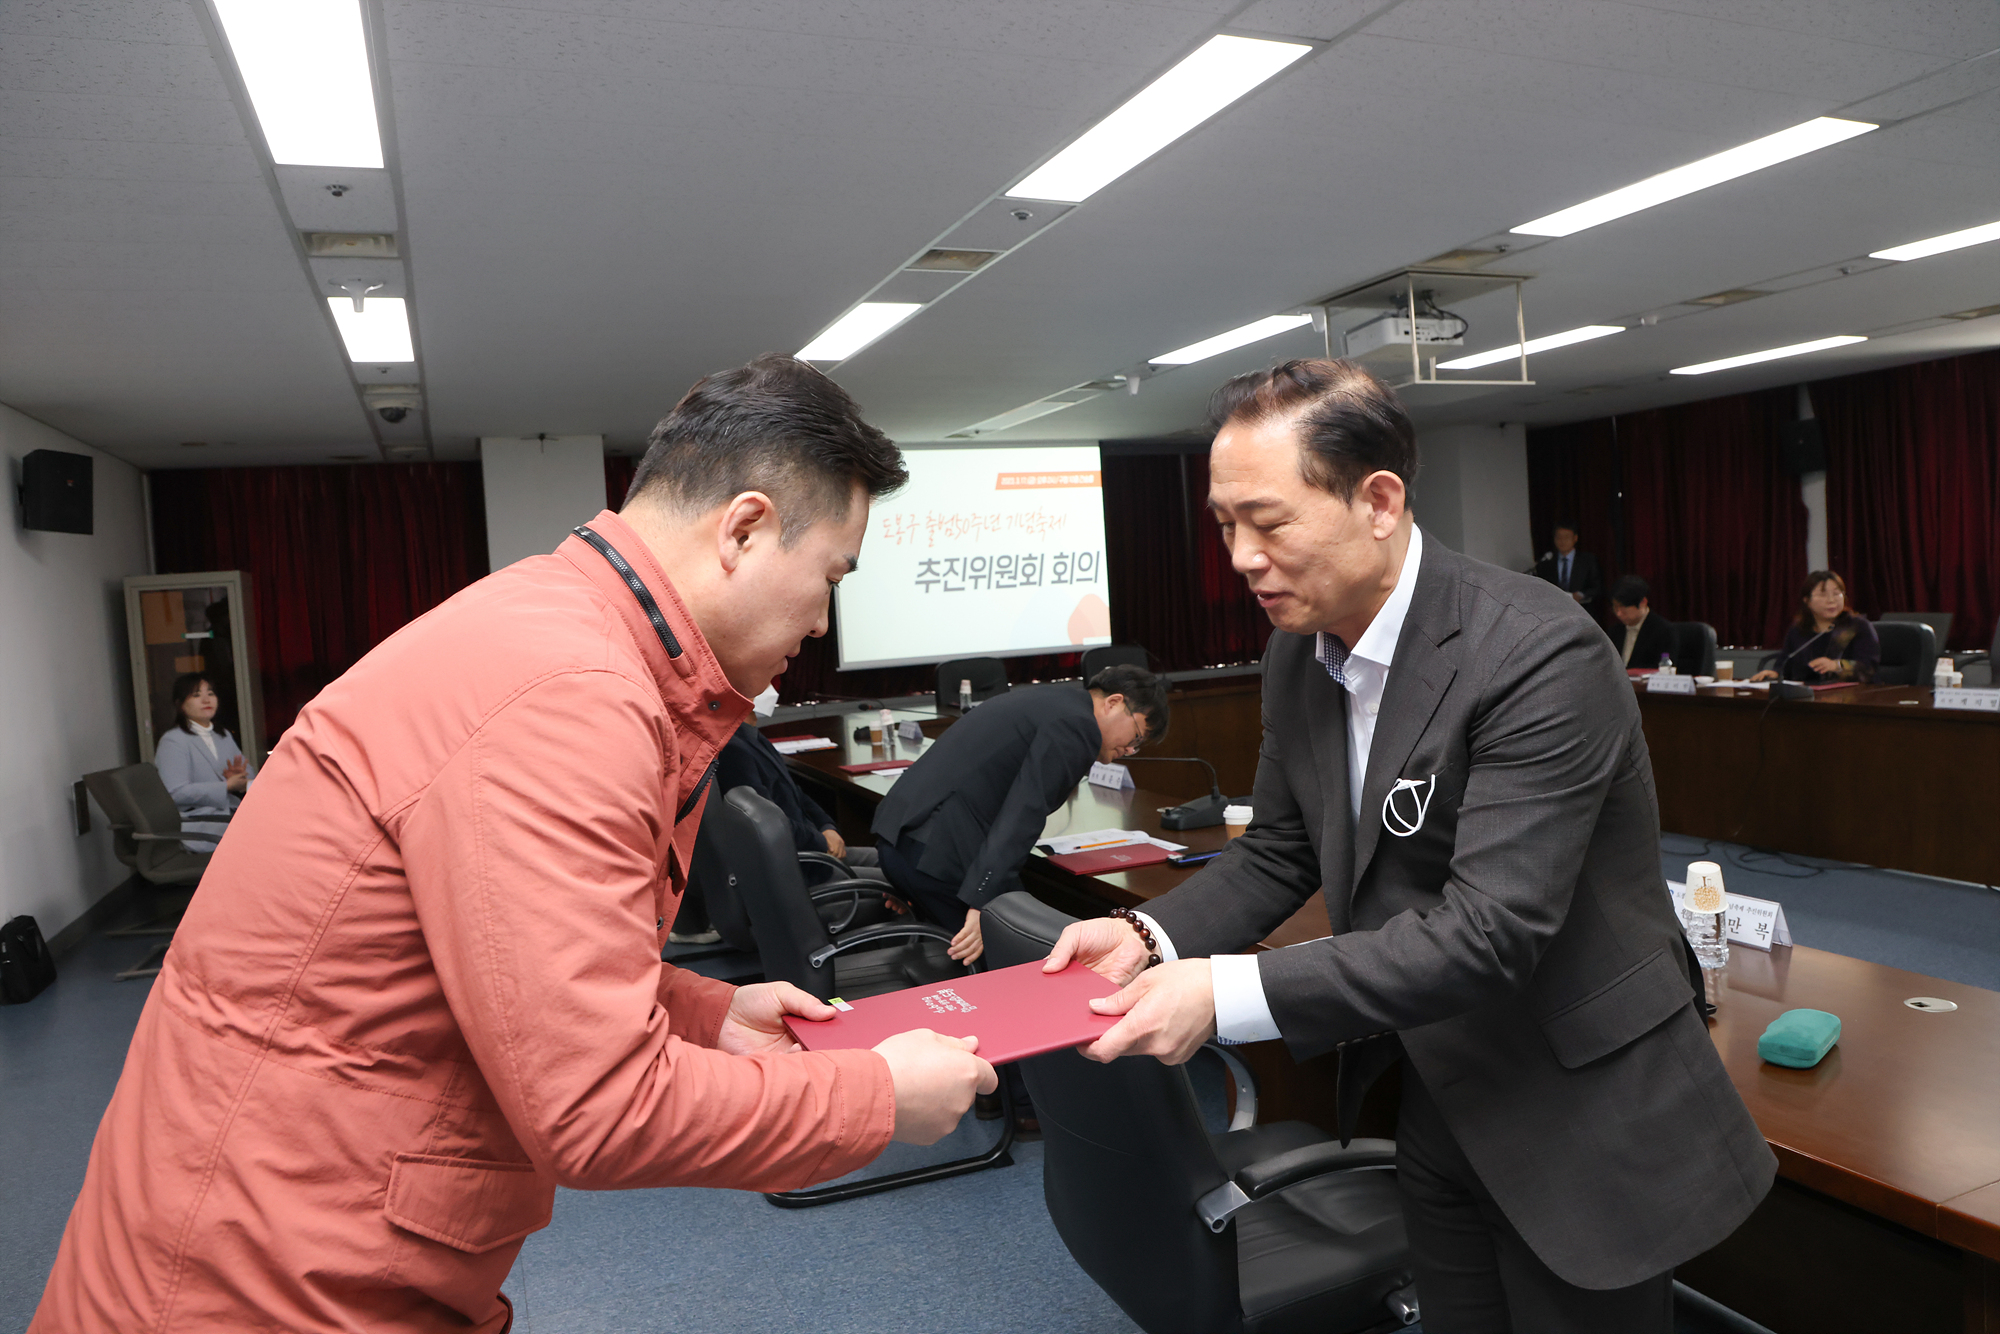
column 825, row 859
column 873, row 934
column 851, row 890
column 1260, row 1180
column 158, row 838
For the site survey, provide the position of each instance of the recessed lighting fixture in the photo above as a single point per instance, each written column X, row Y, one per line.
column 857, row 329
column 305, row 63
column 1937, row 245
column 1220, row 71
column 1255, row 331
column 1769, row 354
column 378, row 332
column 1542, row 344
column 1724, row 166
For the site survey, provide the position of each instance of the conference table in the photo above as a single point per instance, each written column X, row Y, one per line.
column 1872, row 774
column 1886, row 1214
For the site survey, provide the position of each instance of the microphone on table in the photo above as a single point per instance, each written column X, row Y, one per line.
column 1783, row 689
column 1202, row 812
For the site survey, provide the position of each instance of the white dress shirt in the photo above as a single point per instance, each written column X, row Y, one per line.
column 1242, row 1014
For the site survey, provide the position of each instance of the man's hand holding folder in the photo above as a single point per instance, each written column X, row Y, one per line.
column 1168, row 1011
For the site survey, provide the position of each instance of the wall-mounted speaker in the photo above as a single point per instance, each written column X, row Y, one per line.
column 1802, row 448
column 55, row 492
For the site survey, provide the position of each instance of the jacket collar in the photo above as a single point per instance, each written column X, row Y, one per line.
column 696, row 693
column 1424, row 667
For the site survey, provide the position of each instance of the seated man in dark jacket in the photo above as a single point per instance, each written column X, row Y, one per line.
column 962, row 819
column 751, row 760
column 1640, row 636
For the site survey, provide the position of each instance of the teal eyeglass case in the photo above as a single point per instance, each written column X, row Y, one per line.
column 1799, row 1038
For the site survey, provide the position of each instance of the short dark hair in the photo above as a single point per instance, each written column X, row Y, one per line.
column 1630, row 591
column 186, row 684
column 1145, row 694
column 1569, row 524
column 1350, row 423
column 775, row 425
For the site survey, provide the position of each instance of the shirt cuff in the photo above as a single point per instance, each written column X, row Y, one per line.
column 1167, row 952
column 1241, row 1012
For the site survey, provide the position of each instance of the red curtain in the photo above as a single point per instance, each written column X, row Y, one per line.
column 1717, row 526
column 1693, row 499
column 340, row 557
column 1913, row 489
column 618, row 470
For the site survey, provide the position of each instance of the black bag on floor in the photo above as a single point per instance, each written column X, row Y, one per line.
column 26, row 966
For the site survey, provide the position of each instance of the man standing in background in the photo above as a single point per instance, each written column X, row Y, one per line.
column 1574, row 572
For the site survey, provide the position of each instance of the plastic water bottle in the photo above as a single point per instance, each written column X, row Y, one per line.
column 964, row 696
column 1707, row 908
column 1667, row 669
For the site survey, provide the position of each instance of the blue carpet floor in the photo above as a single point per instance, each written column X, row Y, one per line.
column 971, row 1254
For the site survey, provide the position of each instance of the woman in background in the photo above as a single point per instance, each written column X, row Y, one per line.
column 1827, row 642
column 205, row 772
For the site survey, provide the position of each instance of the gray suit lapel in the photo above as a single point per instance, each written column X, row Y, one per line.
column 1418, row 679
column 1326, row 726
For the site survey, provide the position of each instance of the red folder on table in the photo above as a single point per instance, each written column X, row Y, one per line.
column 877, row 767
column 1014, row 1012
column 1103, row 861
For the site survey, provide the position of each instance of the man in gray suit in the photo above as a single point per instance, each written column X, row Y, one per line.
column 1454, row 752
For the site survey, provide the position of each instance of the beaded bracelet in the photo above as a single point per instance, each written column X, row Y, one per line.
column 1145, row 934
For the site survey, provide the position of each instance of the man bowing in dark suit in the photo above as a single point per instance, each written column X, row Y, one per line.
column 1454, row 753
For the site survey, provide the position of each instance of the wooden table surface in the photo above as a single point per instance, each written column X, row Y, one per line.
column 1870, row 774
column 1902, row 1118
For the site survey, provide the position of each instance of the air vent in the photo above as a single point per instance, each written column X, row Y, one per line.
column 1979, row 313
column 1728, row 298
column 954, row 261
column 351, row 245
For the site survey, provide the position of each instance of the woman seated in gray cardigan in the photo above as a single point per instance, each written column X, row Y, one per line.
column 204, row 771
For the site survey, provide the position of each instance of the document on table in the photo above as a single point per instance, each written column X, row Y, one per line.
column 1105, row 838
column 794, row 745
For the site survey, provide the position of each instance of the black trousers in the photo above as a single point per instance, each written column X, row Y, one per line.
column 1474, row 1273
column 934, row 900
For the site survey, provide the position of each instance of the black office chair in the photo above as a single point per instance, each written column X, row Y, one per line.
column 988, row 677
column 843, row 903
column 1267, row 1230
column 1693, row 647
column 146, row 836
column 754, row 841
column 1938, row 621
column 1909, row 653
column 1096, row 660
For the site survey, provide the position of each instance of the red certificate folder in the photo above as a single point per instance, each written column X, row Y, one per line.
column 1103, row 861
column 877, row 767
column 1014, row 1012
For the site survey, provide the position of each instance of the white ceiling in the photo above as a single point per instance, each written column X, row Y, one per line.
column 601, row 201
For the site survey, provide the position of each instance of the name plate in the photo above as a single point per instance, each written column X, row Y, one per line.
column 1670, row 685
column 1984, row 699
column 1113, row 776
column 1758, row 923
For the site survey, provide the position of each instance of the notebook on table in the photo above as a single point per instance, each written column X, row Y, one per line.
column 1103, row 861
column 1014, row 1012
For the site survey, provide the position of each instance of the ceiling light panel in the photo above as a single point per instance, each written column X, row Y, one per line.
column 1769, row 354
column 1725, row 166
column 305, row 63
column 1222, row 70
column 1546, row 343
column 1937, row 245
column 1255, row 331
column 857, row 329
column 379, row 331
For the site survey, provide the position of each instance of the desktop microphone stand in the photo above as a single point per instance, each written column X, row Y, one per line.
column 1202, row 812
